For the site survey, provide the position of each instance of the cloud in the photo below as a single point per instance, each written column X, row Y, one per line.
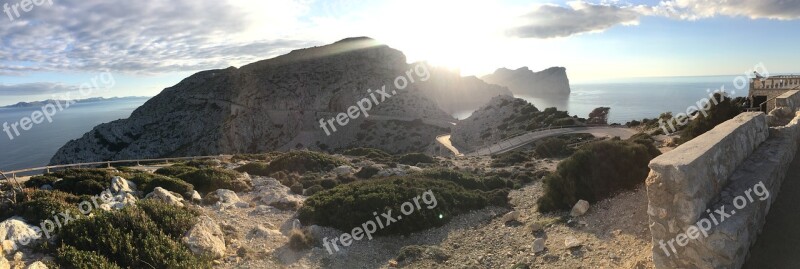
column 753, row 9
column 143, row 36
column 550, row 21
column 39, row 88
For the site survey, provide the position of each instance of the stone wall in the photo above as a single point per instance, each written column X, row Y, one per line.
column 688, row 185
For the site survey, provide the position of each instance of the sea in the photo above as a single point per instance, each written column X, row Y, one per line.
column 629, row 99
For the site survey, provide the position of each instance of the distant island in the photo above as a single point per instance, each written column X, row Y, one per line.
column 523, row 81
column 88, row 100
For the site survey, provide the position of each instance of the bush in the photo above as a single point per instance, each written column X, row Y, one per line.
column 129, row 238
column 350, row 205
column 148, row 182
column 468, row 181
column 300, row 239
column 314, row 190
column 85, row 181
column 297, row 188
column 304, row 161
column 596, row 172
column 370, row 153
column 42, row 208
column 173, row 220
column 328, row 183
column 211, row 179
column 725, row 110
column 344, row 179
column 367, row 172
column 551, row 148
column 255, row 168
column 509, row 159
column 175, row 170
column 71, row 257
column 38, row 181
column 415, row 158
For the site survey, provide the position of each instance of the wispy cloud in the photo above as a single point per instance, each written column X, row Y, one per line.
column 550, row 21
column 753, row 9
column 41, row 88
column 145, row 36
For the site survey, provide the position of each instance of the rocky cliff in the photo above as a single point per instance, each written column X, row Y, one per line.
column 454, row 93
column 523, row 81
column 277, row 104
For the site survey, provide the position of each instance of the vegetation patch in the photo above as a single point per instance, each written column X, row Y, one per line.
column 255, row 168
column 304, row 161
column 211, row 179
column 597, row 171
column 175, row 170
column 415, row 158
column 551, row 148
column 509, row 159
column 146, row 183
column 85, row 181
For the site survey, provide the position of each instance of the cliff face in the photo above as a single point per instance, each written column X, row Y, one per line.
column 523, row 81
column 454, row 93
column 269, row 105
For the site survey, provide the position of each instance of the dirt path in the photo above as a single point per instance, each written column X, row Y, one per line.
column 779, row 243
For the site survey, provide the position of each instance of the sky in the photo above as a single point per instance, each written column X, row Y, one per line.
column 138, row 48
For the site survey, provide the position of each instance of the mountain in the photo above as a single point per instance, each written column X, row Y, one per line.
column 523, row 81
column 88, row 100
column 281, row 104
column 454, row 93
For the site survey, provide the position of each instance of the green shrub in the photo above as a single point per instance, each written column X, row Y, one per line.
column 509, row 159
column 328, row 183
column 304, row 161
column 415, row 158
column 375, row 155
column 264, row 157
column 173, row 220
column 131, row 239
column 350, row 205
column 255, row 168
column 175, row 170
column 211, row 179
column 725, row 109
column 205, row 163
column 367, row 172
column 85, row 181
column 71, row 257
column 148, row 182
column 344, row 179
column 38, row 181
column 297, row 188
column 40, row 209
column 468, row 181
column 551, row 148
column 595, row 172
column 314, row 190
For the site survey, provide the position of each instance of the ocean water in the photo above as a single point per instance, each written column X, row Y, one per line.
column 35, row 147
column 635, row 99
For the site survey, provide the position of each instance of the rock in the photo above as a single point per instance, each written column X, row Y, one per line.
column 580, row 208
column 46, row 187
column 271, row 192
column 206, row 238
column 166, row 196
column 196, row 198
column 4, row 264
column 15, row 232
column 535, row 226
column 228, row 199
column 538, row 245
column 343, row 170
column 8, row 247
column 523, row 81
column 119, row 184
column 261, row 231
column 511, row 216
column 572, row 242
column 37, row 265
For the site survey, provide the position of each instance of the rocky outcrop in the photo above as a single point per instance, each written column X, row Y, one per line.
column 455, row 94
column 523, row 81
column 277, row 104
column 166, row 196
column 206, row 238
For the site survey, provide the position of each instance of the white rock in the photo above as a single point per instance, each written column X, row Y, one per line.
column 119, row 184
column 196, row 197
column 37, row 265
column 538, row 245
column 343, row 170
column 229, row 199
column 8, row 247
column 4, row 264
column 261, row 231
column 572, row 242
column 206, row 238
column 165, row 196
column 580, row 208
column 271, row 192
column 17, row 232
column 513, row 215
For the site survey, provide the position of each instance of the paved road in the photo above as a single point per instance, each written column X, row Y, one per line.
column 778, row 245
column 519, row 141
column 444, row 140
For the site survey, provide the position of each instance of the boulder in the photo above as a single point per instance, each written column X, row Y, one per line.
column 538, row 245
column 16, row 231
column 196, row 198
column 343, row 170
column 264, row 232
column 206, row 238
column 119, row 185
column 37, row 265
column 229, row 199
column 166, row 196
column 4, row 264
column 580, row 208
column 513, row 215
column 46, row 187
column 271, row 192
